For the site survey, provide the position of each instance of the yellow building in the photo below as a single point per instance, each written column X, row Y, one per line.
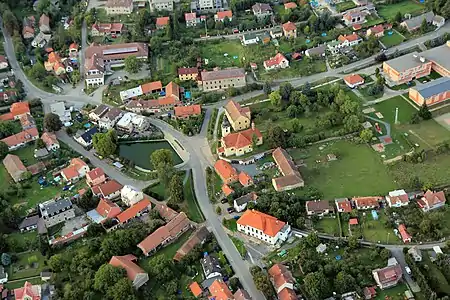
column 240, row 143
column 238, row 117
column 185, row 74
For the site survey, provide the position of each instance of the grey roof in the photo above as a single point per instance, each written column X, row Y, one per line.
column 113, row 113
column 249, row 36
column 439, row 55
column 406, row 62
column 244, row 199
column 319, row 50
column 52, row 207
column 31, row 221
column 417, row 21
column 101, row 110
column 261, row 8
column 210, row 264
column 223, row 74
column 434, row 87
column 207, row 282
column 41, row 152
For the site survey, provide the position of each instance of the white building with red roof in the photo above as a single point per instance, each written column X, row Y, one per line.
column 240, row 143
column 191, row 19
column 377, row 31
column 279, row 61
column 397, row 198
column 405, row 236
column 343, row 205
column 283, row 282
column 28, row 292
column 135, row 211
column 431, row 200
column 105, row 210
column 101, row 29
column 263, row 227
column 77, row 169
column 50, row 141
column 109, row 189
column 353, row 80
column 367, row 202
column 135, row 273
column 95, row 177
column 221, row 15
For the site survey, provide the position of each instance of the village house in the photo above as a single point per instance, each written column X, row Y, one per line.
column 227, row 190
column 366, row 202
column 318, row 208
column 29, row 223
column 343, row 205
column 135, row 273
column 209, row 5
column 54, row 63
column 196, row 290
column 108, row 190
column 222, row 79
column 245, row 179
column 353, row 80
column 152, row 106
column 226, row 172
column 415, row 253
column 22, row 138
column 50, row 141
column 85, row 138
column 105, row 210
column 397, row 198
column 221, row 15
column 354, row 17
column 388, row 277
column 28, row 292
column 279, row 61
column 109, row 120
column 220, row 291
column 137, row 210
column 404, row 235
column 290, row 30
column 41, row 40
column 431, row 93
column 283, row 281
column 318, row 51
column 166, row 5
column 240, row 204
column 131, row 122
column 414, row 23
column 28, row 27
column 237, row 116
column 98, row 113
column 130, row 195
column 377, row 31
column 162, row 22
column 211, row 266
column 14, row 167
column 185, row 74
column 44, row 23
column 19, row 108
column 185, row 112
column 77, row 169
column 291, row 178
column 197, row 238
column 56, row 211
column 190, row 19
column 276, row 32
column 431, row 200
column 349, row 40
column 102, row 29
column 240, row 143
column 262, row 10
column 3, row 62
column 95, row 177
column 290, row 5
column 249, row 39
column 166, row 234
column 119, row 7
column 263, row 227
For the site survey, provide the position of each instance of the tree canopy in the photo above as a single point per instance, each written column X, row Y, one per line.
column 105, row 143
column 52, row 122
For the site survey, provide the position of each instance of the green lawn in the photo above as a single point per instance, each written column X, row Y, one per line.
column 239, row 245
column 23, row 269
column 170, row 250
column 19, row 242
column 26, row 154
column 357, row 171
column 230, row 224
column 375, row 230
column 366, row 96
column 394, row 293
column 437, row 280
column 343, row 6
column 20, row 283
column 391, row 40
column 303, row 67
column 372, row 20
column 388, row 12
column 329, row 226
column 191, row 205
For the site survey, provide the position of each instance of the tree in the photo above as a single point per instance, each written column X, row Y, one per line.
column 353, row 242
column 121, row 290
column 351, row 123
column 105, row 143
column 424, row 112
column 296, row 126
column 316, row 285
column 176, row 189
column 9, row 21
column 344, row 282
column 218, row 210
column 267, row 88
column 262, row 282
column 3, row 149
column 107, row 276
column 254, row 141
column 39, row 144
column 424, row 26
column 132, row 64
column 275, row 98
column 76, row 76
column 6, row 259
column 52, row 122
column 57, row 262
column 366, row 135
column 162, row 162
column 398, row 17
column 276, row 137
column 285, row 90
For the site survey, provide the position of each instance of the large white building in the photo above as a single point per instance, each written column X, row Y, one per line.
column 263, row 227
column 209, row 4
column 130, row 195
column 161, row 5
column 56, row 211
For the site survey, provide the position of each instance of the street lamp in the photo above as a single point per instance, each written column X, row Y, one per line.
column 387, row 241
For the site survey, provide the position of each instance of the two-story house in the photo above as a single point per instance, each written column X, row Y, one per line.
column 108, row 190
column 262, row 10
column 290, row 30
column 56, row 211
column 431, row 200
column 283, row 281
column 50, row 141
column 397, row 198
column 190, row 19
column 238, row 117
column 109, row 120
column 131, row 195
column 240, row 143
column 318, row 208
column 367, row 202
column 389, row 276
column 77, row 169
column 95, row 177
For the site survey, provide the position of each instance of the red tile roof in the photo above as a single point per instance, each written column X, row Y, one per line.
column 109, row 187
column 433, row 198
column 240, row 139
column 353, row 221
column 220, row 291
column 14, row 166
column 354, row 79
column 245, row 179
column 366, row 201
column 186, row 111
column 186, row 71
column 280, row 276
column 223, row 14
column 24, row 136
column 133, row 211
column 151, row 87
column 6, row 117
column 195, row 289
column 357, row 26
column 406, row 237
column 28, row 291
column 173, row 89
column 227, row 190
column 377, row 29
column 190, row 16
column 290, row 5
column 344, row 205
column 70, row 172
column 266, row 223
column 20, row 108
column 235, row 110
column 225, row 170
column 108, row 209
column 287, row 294
column 289, row 26
column 94, row 174
column 291, row 175
column 162, row 21
column 351, row 37
column 275, row 61
column 126, row 262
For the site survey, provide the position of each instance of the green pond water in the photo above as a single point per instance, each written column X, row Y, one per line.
column 140, row 153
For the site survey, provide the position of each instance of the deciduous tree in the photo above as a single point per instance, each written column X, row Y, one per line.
column 162, row 162
column 105, row 143
column 132, row 64
column 176, row 189
column 52, row 122
column 107, row 276
column 3, row 149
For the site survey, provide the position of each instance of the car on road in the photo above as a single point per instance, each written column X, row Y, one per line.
column 408, row 270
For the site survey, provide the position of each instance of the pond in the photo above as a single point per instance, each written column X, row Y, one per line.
column 140, row 153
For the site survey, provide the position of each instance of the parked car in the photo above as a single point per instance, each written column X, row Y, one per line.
column 408, row 270
column 230, row 210
column 224, row 200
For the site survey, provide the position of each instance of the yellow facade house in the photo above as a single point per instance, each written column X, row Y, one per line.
column 238, row 117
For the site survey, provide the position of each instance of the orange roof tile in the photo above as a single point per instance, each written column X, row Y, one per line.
column 24, row 136
column 126, row 262
column 240, row 139
column 220, row 291
column 173, row 89
column 151, row 87
column 287, row 294
column 94, row 174
column 223, row 14
column 195, row 289
column 133, row 211
column 366, row 201
column 289, row 26
column 162, row 21
column 70, row 172
column 266, row 223
column 225, row 170
column 54, row 58
column 354, row 79
column 109, row 187
column 227, row 190
column 405, row 235
column 245, row 179
column 186, row 111
column 20, row 108
column 290, row 5
column 108, row 209
column 280, row 275
column 78, row 163
column 6, row 117
column 275, row 61
column 351, row 37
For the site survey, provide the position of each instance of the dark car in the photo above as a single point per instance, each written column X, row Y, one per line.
column 230, row 210
column 224, row 200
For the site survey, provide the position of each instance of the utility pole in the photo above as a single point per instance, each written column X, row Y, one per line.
column 396, row 115
column 387, row 240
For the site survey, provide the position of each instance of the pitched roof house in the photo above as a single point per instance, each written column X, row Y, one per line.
column 19, row 108
column 44, row 23
column 245, row 179
column 397, row 198
column 291, row 178
column 14, row 166
column 162, row 22
column 238, row 116
column 377, row 31
column 21, row 139
column 226, row 172
column 185, row 112
column 105, row 210
column 109, row 189
column 241, row 203
column 95, row 177
column 76, row 170
column 366, row 202
column 318, row 207
column 343, row 205
column 290, row 30
column 239, row 143
column 211, row 266
column 221, row 15
column 431, row 200
column 134, row 211
column 388, row 276
column 28, row 292
column 135, row 273
column 406, row 237
column 279, row 61
column 281, row 279
column 353, row 80
column 50, row 141
column 197, row 238
column 220, row 291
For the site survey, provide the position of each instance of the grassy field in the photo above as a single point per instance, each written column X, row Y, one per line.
column 191, row 206
column 230, row 224
column 24, row 241
column 296, row 68
column 329, row 226
column 343, row 6
column 412, row 7
column 239, row 245
column 171, row 249
column 394, row 293
column 391, row 40
column 20, row 283
column 374, row 230
column 437, row 280
column 357, row 171
column 23, row 269
column 26, row 154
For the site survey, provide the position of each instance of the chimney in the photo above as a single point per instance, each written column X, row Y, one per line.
column 253, row 125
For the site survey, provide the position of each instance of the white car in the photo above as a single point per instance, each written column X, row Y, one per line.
column 408, row 270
